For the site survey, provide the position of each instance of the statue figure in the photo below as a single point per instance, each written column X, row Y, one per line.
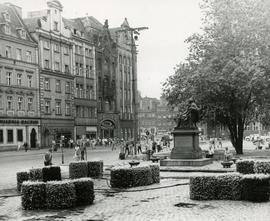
column 190, row 117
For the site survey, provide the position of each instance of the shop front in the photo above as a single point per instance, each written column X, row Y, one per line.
column 15, row 132
column 54, row 129
column 90, row 132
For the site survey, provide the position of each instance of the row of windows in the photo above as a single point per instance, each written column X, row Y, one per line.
column 58, row 86
column 19, row 102
column 79, row 70
column 88, row 112
column 124, row 60
column 10, row 135
column 87, row 92
column 58, row 107
column 18, row 54
column 56, row 47
column 56, row 66
column 18, row 79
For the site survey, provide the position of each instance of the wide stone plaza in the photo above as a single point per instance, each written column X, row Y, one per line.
column 168, row 200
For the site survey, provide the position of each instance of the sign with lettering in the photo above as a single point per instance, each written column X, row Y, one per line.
column 15, row 121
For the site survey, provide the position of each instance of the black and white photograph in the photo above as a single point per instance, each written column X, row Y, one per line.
column 134, row 110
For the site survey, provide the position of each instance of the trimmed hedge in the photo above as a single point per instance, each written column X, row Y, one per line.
column 142, row 175
column 84, row 188
column 33, row 195
column 253, row 187
column 203, row 188
column 155, row 171
column 230, row 187
column 36, row 174
column 60, row 194
column 21, row 177
column 51, row 173
column 262, row 167
column 256, row 188
column 95, row 168
column 245, row 166
column 78, row 169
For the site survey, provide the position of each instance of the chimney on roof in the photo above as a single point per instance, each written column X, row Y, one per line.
column 17, row 8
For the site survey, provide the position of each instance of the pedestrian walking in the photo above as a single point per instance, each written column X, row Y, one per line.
column 77, row 152
column 83, row 149
column 25, row 145
column 48, row 158
column 139, row 148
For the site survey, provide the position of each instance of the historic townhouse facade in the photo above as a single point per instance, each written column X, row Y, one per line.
column 56, row 68
column 19, row 82
column 85, row 101
column 126, row 79
column 70, row 77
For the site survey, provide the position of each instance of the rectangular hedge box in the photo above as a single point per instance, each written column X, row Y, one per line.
column 126, row 176
column 84, row 188
column 255, row 187
column 245, row 166
column 33, row 195
column 51, row 173
column 57, row 194
column 60, row 194
column 95, row 168
column 21, row 177
column 234, row 186
column 35, row 174
column 78, row 170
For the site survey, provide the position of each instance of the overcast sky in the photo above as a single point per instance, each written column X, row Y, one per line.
column 161, row 47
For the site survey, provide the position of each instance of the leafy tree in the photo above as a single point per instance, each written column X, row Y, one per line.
column 227, row 71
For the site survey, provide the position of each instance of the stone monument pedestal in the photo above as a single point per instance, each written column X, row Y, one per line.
column 186, row 150
column 186, row 144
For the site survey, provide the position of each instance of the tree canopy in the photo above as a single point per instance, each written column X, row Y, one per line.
column 227, row 70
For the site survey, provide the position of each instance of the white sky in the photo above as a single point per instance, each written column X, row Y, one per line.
column 161, row 47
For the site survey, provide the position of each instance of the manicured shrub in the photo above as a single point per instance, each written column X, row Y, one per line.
column 262, row 167
column 203, row 188
column 125, row 176
column 121, row 177
column 245, row 166
column 255, row 187
column 84, row 188
column 78, row 169
column 229, row 187
column 141, row 176
column 21, row 177
column 35, row 174
column 33, row 195
column 51, row 173
column 95, row 168
column 60, row 194
column 155, row 171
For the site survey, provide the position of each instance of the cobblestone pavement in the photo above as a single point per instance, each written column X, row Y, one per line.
column 167, row 203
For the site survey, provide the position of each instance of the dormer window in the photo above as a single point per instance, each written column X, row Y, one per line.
column 7, row 29
column 6, row 16
column 55, row 26
column 22, row 33
column 75, row 31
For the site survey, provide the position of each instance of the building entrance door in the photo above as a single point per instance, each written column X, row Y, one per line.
column 107, row 129
column 33, row 138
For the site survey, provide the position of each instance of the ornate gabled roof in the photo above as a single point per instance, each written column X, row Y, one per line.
column 14, row 22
